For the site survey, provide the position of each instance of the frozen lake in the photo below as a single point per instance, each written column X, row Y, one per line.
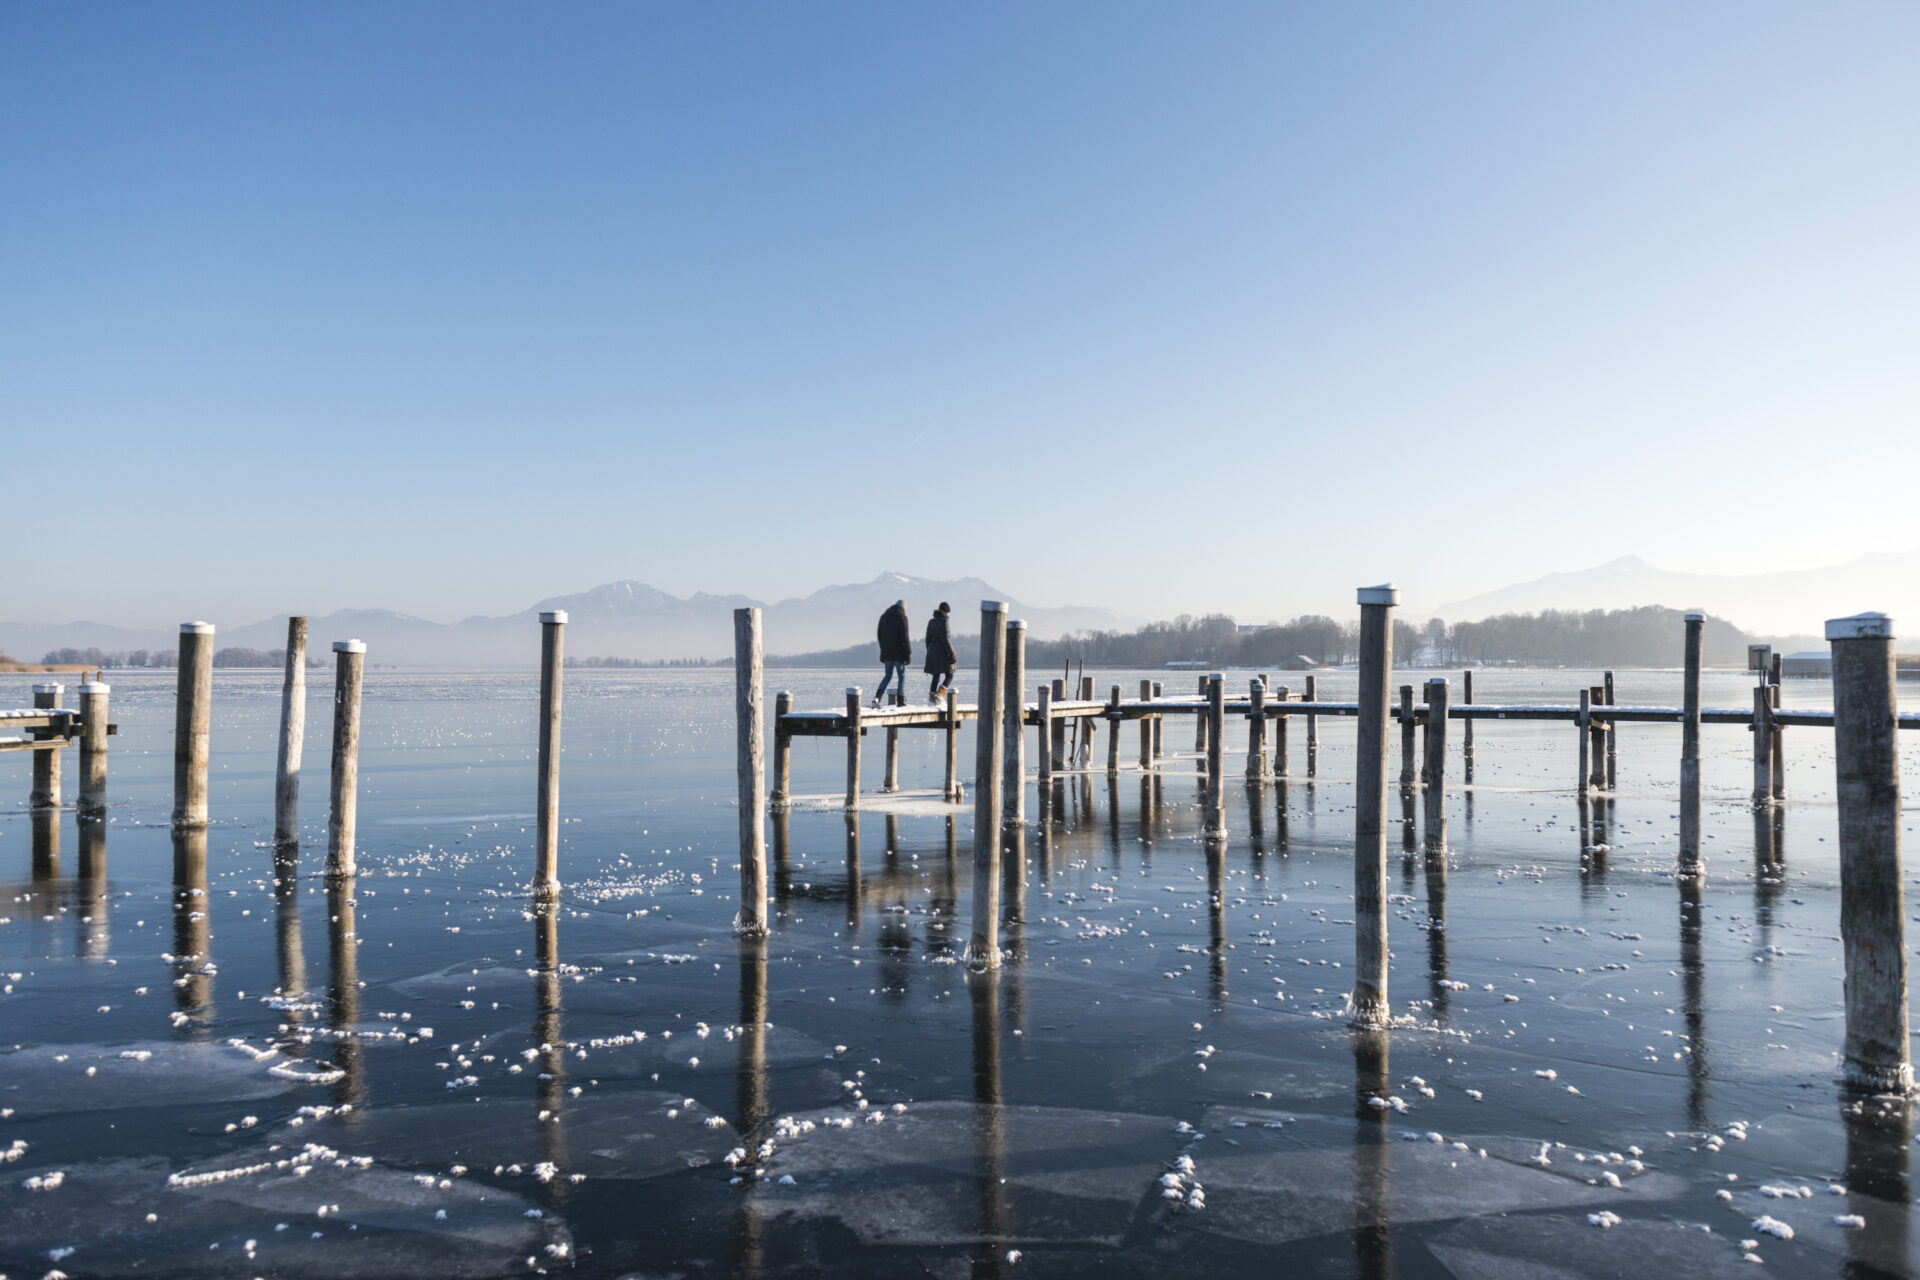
column 210, row 1065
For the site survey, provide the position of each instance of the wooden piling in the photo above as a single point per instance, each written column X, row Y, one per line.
column 853, row 747
column 1597, row 736
column 890, row 779
column 1257, row 730
column 1146, row 728
column 1762, row 744
column 93, row 751
column 1159, row 745
column 1777, row 751
column 1466, row 699
column 1043, row 735
column 46, row 788
column 1613, row 737
column 293, row 733
column 1057, row 730
column 1690, row 752
column 983, row 948
column 349, row 662
column 1407, row 719
column 750, row 740
column 546, row 803
column 782, row 751
column 1083, row 754
column 953, row 744
column 1113, row 732
column 1434, row 768
column 1872, row 914
column 1367, row 1004
column 1013, row 708
column 1313, row 722
column 1581, row 725
column 192, row 724
column 1216, row 719
column 1200, row 723
column 1280, row 724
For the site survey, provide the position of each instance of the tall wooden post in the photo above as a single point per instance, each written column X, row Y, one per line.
column 853, row 747
column 1597, row 736
column 1216, row 719
column 1367, row 1005
column 749, row 708
column 46, row 791
column 1407, row 719
column 1613, row 738
column 1013, row 715
column 1778, row 751
column 192, row 724
column 890, row 778
column 1581, row 726
column 1434, row 768
column 1280, row 723
column 1313, row 722
column 1146, row 728
column 293, row 733
column 1762, row 744
column 1466, row 699
column 1113, row 732
column 1159, row 746
column 1057, row 729
column 1872, row 913
column 546, row 803
column 93, row 751
column 952, row 708
column 782, row 751
column 1200, row 722
column 1690, row 752
column 1043, row 735
column 343, row 813
column 1257, row 730
column 983, row 948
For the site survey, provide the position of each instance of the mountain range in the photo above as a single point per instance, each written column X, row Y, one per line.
column 619, row 619
column 1793, row 600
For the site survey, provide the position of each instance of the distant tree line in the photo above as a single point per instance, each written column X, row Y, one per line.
column 1649, row 636
column 648, row 662
column 121, row 659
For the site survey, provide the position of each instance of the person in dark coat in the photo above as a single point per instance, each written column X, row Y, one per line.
column 941, row 659
column 896, row 651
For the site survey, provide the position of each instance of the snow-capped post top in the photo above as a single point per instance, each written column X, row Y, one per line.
column 853, row 691
column 1214, row 675
column 54, row 689
column 1861, row 626
column 1385, row 593
column 1018, row 624
column 1437, row 680
column 349, row 646
column 993, row 606
column 95, row 687
column 1696, row 617
column 196, row 628
column 554, row 615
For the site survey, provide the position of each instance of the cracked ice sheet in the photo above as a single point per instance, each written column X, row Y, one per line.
column 916, row 1180
column 1557, row 1247
column 33, row 1083
column 601, row 1135
column 1304, row 1180
column 101, row 1210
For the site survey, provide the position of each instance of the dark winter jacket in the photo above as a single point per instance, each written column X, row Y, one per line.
column 896, row 641
column 941, row 659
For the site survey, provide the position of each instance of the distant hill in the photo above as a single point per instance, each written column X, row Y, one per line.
column 619, row 619
column 1782, row 601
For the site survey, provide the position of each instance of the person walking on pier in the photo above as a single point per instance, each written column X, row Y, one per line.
column 896, row 651
column 941, row 659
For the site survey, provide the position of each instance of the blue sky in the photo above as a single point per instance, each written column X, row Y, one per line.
column 446, row 308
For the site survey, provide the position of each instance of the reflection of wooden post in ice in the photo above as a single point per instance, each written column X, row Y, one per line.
column 343, row 992
column 1372, row 1157
column 1690, row 752
column 293, row 732
column 983, row 947
column 855, row 885
column 92, row 888
column 93, row 751
column 1879, row 1185
column 288, row 948
column 1866, row 759
column 192, row 931
column 46, row 761
column 1437, row 975
column 46, row 845
column 1434, row 771
column 1367, row 1005
column 751, row 769
column 549, row 1038
column 546, row 818
column 1216, row 855
column 1013, row 747
column 343, row 814
column 751, row 1099
column 990, row 1125
column 782, row 752
column 192, row 720
column 1693, row 987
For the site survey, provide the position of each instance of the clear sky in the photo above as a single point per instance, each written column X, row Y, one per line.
column 448, row 307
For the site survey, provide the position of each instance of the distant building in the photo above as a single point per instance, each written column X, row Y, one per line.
column 1811, row 664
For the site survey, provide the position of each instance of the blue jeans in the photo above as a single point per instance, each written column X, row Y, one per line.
column 896, row 672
